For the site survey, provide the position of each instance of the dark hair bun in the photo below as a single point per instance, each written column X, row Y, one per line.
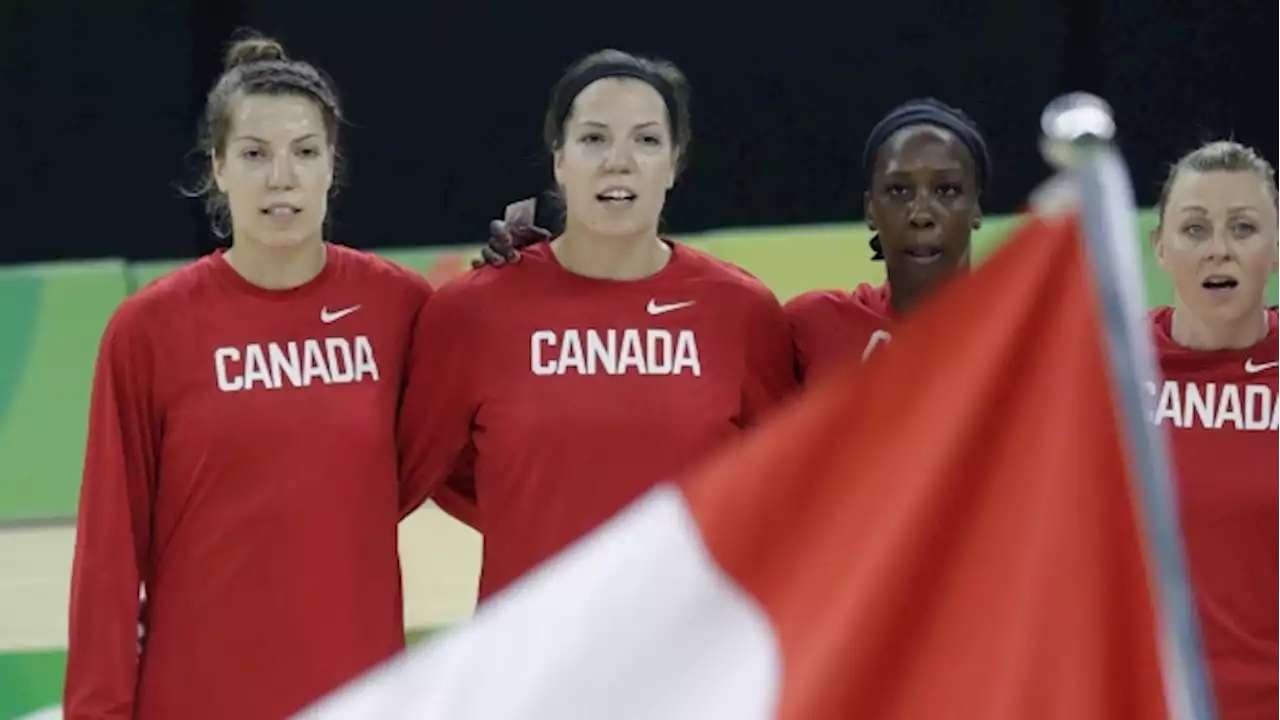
column 253, row 50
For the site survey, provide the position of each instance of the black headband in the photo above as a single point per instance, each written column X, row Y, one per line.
column 925, row 112
column 571, row 89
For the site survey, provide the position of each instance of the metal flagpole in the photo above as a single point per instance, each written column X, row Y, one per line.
column 1078, row 131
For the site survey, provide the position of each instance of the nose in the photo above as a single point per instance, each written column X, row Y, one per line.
column 922, row 215
column 618, row 158
column 283, row 175
column 1219, row 246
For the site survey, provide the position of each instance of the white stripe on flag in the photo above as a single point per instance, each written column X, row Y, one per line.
column 635, row 621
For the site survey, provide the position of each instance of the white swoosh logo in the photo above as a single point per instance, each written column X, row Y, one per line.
column 327, row 317
column 878, row 338
column 1251, row 367
column 656, row 309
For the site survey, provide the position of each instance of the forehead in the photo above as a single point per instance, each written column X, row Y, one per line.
column 1218, row 191
column 619, row 101
column 926, row 147
column 275, row 117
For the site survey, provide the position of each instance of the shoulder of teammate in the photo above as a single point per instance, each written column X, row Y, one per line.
column 125, row 363
column 769, row 349
column 158, row 304
column 735, row 280
column 735, row 288
column 384, row 275
column 812, row 314
column 804, row 308
column 806, row 313
column 474, row 290
column 458, row 311
column 467, row 289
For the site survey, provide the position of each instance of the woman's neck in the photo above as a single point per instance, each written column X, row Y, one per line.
column 273, row 268
column 611, row 258
column 1196, row 333
column 905, row 297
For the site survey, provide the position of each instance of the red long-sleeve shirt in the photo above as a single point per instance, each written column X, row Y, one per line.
column 241, row 467
column 1221, row 412
column 571, row 396
column 834, row 327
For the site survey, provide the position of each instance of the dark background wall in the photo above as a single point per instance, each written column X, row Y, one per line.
column 100, row 101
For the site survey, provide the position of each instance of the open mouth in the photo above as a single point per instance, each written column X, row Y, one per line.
column 1219, row 283
column 616, row 197
column 281, row 210
column 923, row 254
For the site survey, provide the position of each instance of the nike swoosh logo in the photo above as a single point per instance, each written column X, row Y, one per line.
column 878, row 338
column 1251, row 367
column 327, row 317
column 656, row 309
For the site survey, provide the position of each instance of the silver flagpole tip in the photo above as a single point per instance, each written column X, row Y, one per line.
column 1073, row 126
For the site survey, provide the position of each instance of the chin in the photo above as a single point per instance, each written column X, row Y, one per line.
column 620, row 228
column 286, row 238
column 1226, row 309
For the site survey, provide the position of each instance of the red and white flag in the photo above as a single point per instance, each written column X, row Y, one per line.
column 947, row 532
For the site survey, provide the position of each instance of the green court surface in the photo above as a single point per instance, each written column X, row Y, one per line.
column 32, row 680
column 29, row 681
column 51, row 320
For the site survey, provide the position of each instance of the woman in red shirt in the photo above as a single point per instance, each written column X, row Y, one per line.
column 241, row 461
column 1217, row 347
column 926, row 167
column 619, row 358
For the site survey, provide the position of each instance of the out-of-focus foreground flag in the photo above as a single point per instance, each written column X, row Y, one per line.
column 947, row 532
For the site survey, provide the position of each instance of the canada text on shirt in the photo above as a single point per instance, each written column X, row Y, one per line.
column 626, row 351
column 1235, row 406
column 295, row 364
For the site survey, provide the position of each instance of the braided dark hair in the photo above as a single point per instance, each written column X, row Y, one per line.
column 255, row 65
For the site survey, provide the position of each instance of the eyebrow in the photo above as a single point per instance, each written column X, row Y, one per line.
column 255, row 138
column 597, row 123
column 1230, row 210
column 900, row 170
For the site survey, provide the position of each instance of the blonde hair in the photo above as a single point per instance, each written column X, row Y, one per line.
column 1220, row 156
